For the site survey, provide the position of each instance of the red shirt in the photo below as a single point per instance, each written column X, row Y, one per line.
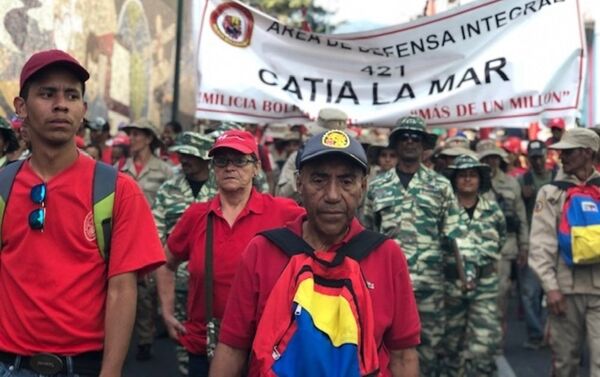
column 395, row 314
column 106, row 155
column 187, row 242
column 53, row 283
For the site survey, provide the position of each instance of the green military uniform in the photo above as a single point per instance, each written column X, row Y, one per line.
column 473, row 329
column 153, row 174
column 506, row 191
column 172, row 199
column 418, row 217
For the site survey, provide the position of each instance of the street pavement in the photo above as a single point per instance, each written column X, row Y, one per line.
column 516, row 361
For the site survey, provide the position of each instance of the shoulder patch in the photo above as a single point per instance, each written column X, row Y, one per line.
column 539, row 206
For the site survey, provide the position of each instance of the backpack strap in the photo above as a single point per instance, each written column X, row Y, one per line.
column 563, row 185
column 287, row 241
column 105, row 180
column 595, row 181
column 357, row 248
column 7, row 178
column 361, row 245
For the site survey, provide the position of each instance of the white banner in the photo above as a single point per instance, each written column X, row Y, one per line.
column 489, row 63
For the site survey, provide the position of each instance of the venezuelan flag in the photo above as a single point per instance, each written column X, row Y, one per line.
column 327, row 324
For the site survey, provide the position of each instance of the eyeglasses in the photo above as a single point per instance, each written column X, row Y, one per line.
column 239, row 162
column 410, row 136
column 38, row 215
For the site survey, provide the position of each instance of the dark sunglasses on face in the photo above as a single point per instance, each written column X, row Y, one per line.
column 410, row 136
column 38, row 215
column 239, row 162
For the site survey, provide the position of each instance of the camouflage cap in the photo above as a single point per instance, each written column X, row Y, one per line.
column 578, row 138
column 488, row 147
column 222, row 128
column 416, row 124
column 464, row 162
column 457, row 141
column 194, row 144
column 456, row 151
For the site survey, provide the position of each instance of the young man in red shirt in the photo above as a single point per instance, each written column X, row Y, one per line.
column 332, row 180
column 66, row 310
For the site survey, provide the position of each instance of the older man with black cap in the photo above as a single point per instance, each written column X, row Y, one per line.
column 416, row 206
column 332, row 179
column 72, row 295
column 572, row 288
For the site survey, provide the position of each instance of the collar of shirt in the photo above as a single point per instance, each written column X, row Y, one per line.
column 355, row 228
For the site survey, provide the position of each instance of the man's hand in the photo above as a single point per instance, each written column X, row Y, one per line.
column 522, row 257
column 556, row 302
column 174, row 327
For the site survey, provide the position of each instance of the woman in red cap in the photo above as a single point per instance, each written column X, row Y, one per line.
column 212, row 236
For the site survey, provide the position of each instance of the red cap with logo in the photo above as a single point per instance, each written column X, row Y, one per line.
column 241, row 141
column 43, row 59
column 557, row 123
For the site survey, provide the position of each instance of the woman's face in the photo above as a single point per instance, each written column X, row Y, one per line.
column 467, row 181
column 388, row 159
column 139, row 140
column 234, row 170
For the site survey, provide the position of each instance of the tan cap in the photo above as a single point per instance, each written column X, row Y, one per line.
column 327, row 115
column 488, row 147
column 148, row 126
column 578, row 138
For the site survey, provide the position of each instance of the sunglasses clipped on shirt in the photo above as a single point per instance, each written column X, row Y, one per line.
column 239, row 162
column 37, row 217
column 406, row 136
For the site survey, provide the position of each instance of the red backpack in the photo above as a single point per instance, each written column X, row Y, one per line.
column 318, row 319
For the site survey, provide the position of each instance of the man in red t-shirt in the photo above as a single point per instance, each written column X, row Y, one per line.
column 65, row 310
column 331, row 182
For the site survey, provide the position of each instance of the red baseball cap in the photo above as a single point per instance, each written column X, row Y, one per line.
column 557, row 123
column 43, row 59
column 241, row 141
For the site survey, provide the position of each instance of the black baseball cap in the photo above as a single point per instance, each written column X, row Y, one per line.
column 333, row 142
column 536, row 148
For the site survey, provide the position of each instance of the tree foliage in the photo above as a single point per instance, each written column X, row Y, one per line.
column 295, row 12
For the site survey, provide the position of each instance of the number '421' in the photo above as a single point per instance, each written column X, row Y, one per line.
column 384, row 70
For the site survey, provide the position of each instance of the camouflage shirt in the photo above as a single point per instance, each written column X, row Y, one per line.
column 418, row 218
column 174, row 197
column 486, row 234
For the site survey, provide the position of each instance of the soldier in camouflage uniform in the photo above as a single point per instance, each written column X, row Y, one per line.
column 150, row 172
column 473, row 325
column 195, row 183
column 506, row 191
column 416, row 206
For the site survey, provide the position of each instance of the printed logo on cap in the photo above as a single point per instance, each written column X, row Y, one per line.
column 233, row 24
column 336, row 139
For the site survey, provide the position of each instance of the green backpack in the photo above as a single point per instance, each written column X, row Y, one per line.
column 105, row 179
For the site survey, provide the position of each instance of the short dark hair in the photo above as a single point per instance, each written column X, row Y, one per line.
column 175, row 125
column 24, row 91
